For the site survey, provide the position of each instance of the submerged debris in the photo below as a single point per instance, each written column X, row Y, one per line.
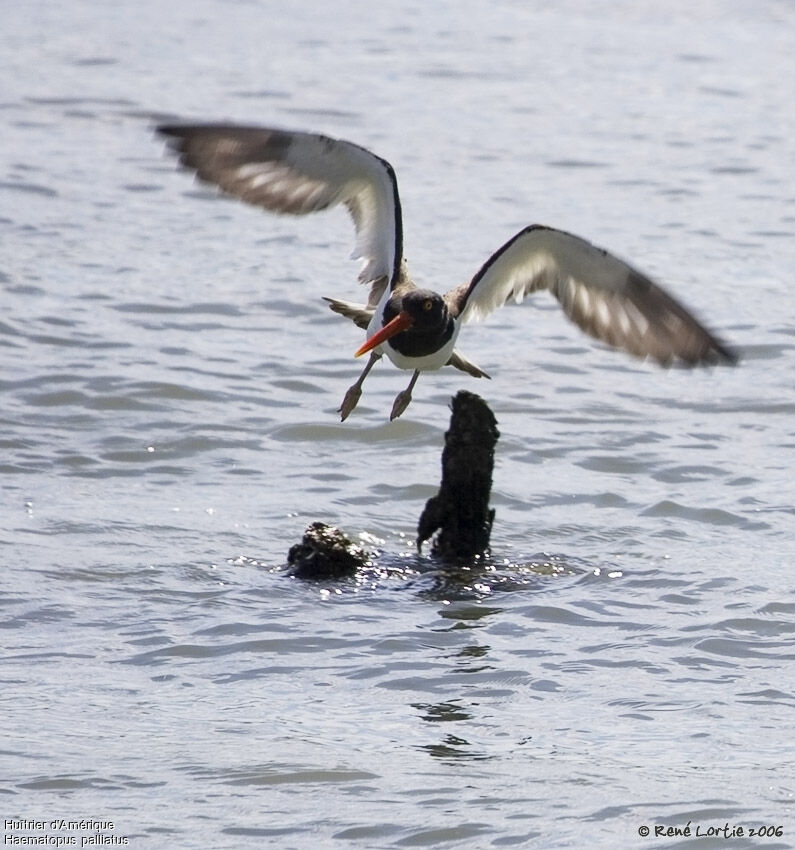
column 460, row 511
column 325, row 553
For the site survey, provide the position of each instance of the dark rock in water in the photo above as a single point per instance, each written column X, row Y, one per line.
column 460, row 511
column 325, row 553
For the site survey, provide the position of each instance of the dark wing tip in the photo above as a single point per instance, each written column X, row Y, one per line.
column 726, row 354
column 177, row 136
column 181, row 129
column 708, row 351
column 686, row 338
column 705, row 351
column 176, row 131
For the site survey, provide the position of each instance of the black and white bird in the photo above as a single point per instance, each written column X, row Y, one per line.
column 299, row 173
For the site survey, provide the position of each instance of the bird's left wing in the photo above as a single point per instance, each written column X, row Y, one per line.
column 603, row 295
column 299, row 173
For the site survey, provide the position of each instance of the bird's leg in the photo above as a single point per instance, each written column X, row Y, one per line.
column 403, row 399
column 355, row 392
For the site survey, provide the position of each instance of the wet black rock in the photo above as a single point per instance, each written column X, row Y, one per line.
column 325, row 553
column 460, row 511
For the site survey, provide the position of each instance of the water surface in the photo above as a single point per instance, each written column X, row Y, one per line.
column 170, row 382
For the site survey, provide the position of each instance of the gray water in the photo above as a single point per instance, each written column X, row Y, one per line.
column 170, row 378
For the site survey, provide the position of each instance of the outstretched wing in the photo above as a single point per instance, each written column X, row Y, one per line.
column 299, row 173
column 607, row 298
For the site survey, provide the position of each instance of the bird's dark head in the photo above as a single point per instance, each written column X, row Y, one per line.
column 426, row 309
column 416, row 322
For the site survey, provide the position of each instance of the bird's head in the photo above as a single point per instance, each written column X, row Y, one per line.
column 421, row 315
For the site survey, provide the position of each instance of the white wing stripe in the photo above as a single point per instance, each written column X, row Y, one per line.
column 606, row 297
column 298, row 173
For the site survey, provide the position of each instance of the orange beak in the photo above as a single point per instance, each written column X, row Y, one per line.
column 400, row 323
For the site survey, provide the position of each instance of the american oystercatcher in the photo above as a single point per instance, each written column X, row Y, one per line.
column 299, row 173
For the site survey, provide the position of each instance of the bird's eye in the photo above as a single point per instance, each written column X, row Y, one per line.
column 427, row 305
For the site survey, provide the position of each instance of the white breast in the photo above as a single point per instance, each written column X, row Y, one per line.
column 429, row 362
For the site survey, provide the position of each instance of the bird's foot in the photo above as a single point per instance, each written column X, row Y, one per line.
column 402, row 401
column 350, row 401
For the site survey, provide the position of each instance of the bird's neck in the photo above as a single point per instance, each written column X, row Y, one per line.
column 419, row 342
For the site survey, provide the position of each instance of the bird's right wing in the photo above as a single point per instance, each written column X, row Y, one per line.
column 299, row 173
column 606, row 297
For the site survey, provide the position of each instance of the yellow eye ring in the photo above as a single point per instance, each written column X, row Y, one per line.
column 427, row 305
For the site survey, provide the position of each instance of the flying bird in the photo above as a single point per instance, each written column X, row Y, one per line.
column 300, row 173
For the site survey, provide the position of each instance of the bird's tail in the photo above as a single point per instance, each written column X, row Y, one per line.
column 458, row 360
column 357, row 313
